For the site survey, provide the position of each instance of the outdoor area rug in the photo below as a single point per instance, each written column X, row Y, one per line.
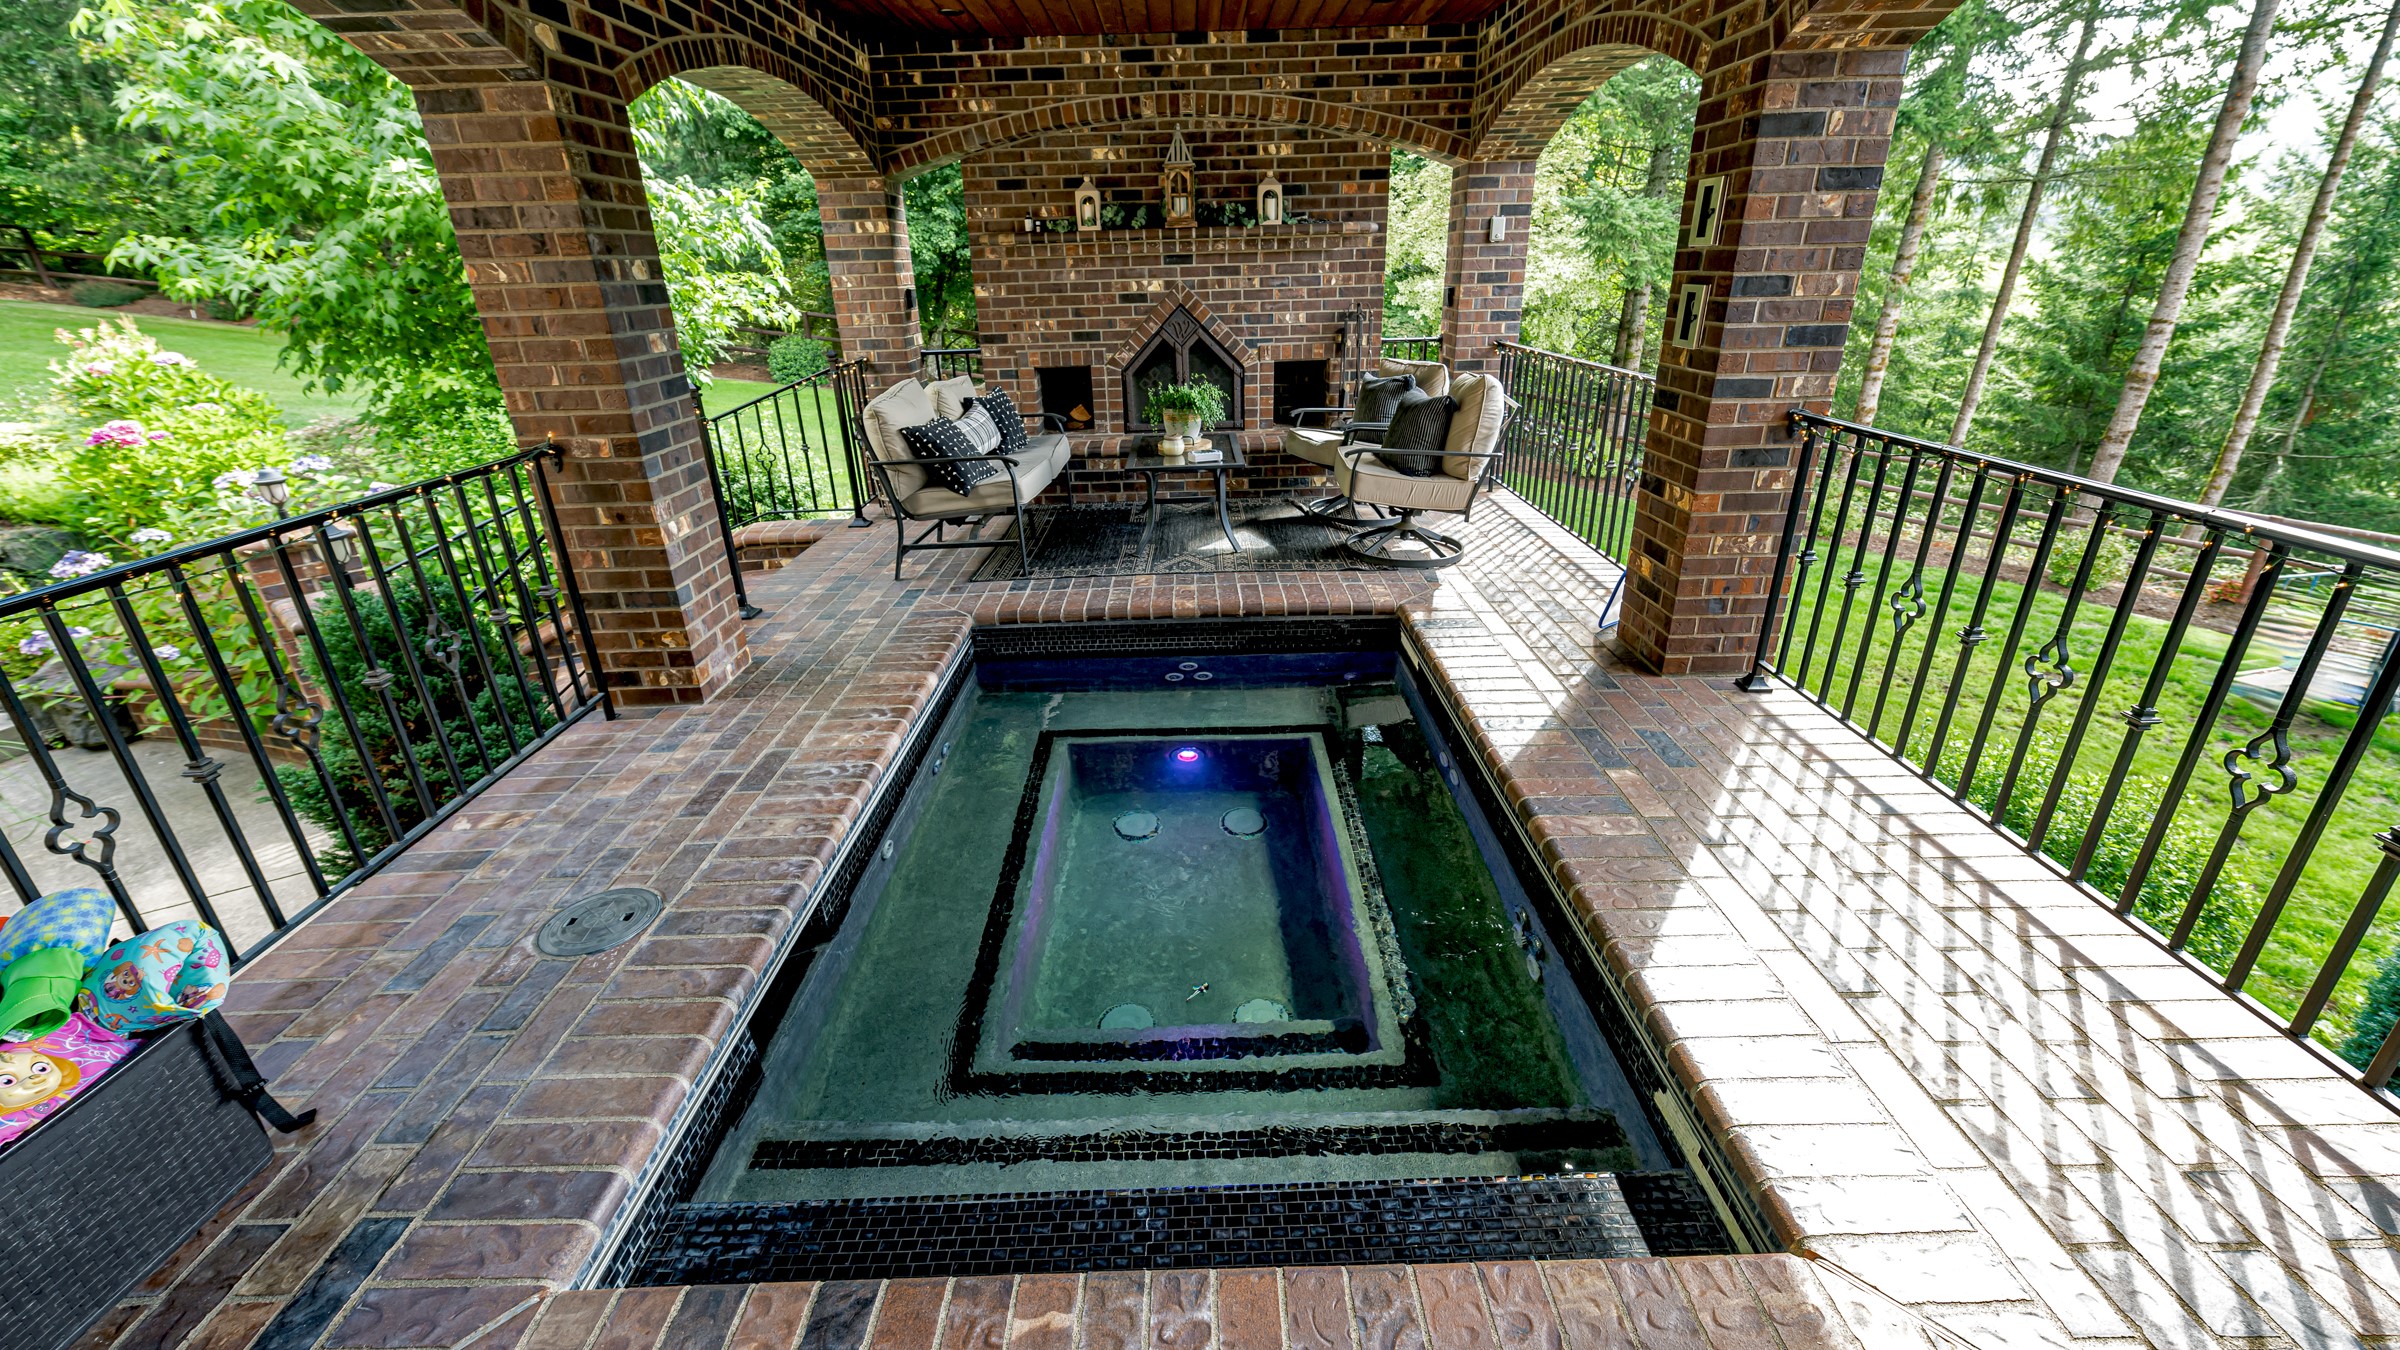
column 1102, row 541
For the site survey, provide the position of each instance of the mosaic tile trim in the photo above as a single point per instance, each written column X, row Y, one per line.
column 1592, row 1130
column 1188, row 637
column 1322, row 1223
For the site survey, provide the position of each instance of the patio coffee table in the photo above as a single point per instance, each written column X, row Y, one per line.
column 1146, row 461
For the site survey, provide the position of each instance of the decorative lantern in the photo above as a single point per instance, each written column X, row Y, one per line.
column 1175, row 183
column 1087, row 206
column 1270, row 201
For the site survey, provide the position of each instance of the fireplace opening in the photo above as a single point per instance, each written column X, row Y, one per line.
column 1299, row 384
column 1067, row 391
column 1179, row 351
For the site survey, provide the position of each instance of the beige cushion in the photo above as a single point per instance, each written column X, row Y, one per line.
column 1314, row 444
column 1374, row 483
column 1432, row 376
column 1475, row 426
column 989, row 496
column 903, row 405
column 1051, row 449
column 950, row 396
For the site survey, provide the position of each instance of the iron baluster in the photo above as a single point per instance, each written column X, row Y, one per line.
column 1756, row 681
column 1807, row 557
column 198, row 767
column 2042, row 685
column 307, row 614
column 1941, row 609
column 495, row 605
column 2372, row 709
column 1883, row 580
column 733, row 560
column 1974, row 635
column 1908, row 603
column 513, row 568
column 98, row 849
column 566, row 575
column 1857, row 575
column 1833, row 549
column 2143, row 715
column 2276, row 744
column 298, row 718
column 2211, row 708
column 408, row 644
column 230, row 688
column 537, row 548
column 443, row 547
column 2345, row 946
column 442, row 644
column 377, row 680
column 2010, row 647
column 2128, row 600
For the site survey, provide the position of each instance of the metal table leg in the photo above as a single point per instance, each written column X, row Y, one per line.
column 1224, row 521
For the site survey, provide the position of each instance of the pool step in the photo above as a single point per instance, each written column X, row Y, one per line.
column 1308, row 1223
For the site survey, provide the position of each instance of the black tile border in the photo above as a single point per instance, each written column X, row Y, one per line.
column 1178, row 1228
column 1596, row 1130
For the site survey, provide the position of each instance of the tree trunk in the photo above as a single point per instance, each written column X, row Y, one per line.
column 2295, row 279
column 1895, row 291
column 2308, row 402
column 1658, row 180
column 2052, row 140
column 1630, row 322
column 2142, row 376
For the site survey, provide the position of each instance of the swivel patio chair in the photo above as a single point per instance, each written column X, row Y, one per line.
column 1336, row 427
column 1469, row 459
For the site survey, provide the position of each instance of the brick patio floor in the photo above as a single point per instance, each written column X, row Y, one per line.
column 1970, row 1093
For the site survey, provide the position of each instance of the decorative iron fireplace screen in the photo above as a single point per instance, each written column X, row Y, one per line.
column 1180, row 350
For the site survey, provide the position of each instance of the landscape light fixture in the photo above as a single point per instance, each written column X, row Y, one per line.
column 270, row 487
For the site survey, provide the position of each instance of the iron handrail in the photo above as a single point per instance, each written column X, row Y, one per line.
column 1886, row 539
column 376, row 663
column 1575, row 444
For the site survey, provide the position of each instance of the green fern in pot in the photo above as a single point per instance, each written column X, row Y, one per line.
column 1182, row 409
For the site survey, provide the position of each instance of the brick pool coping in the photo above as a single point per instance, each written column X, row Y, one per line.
column 1941, row 1071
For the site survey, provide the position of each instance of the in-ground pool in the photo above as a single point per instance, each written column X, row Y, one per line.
column 1154, row 946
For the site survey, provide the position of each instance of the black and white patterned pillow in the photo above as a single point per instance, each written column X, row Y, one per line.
column 941, row 438
column 976, row 422
column 1004, row 415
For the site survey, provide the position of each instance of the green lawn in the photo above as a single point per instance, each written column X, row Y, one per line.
column 245, row 356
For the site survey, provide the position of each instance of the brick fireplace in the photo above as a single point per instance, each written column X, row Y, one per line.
column 1269, row 298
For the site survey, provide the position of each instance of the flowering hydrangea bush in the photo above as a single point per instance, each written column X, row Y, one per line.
column 159, row 429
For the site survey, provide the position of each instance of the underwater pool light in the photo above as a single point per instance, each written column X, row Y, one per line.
column 1188, row 755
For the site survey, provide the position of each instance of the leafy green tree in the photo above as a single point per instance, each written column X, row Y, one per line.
column 66, row 165
column 326, row 218
column 1416, row 245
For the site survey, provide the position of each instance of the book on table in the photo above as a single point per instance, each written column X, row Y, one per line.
column 1211, row 456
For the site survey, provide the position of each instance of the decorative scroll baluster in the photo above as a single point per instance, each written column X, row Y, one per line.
column 2050, row 670
column 2143, row 715
column 1908, row 603
column 2128, row 600
column 97, row 850
column 2009, row 648
column 1968, row 515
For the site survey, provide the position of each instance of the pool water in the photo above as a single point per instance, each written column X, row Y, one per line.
column 1155, row 923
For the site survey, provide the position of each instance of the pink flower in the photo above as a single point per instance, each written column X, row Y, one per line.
column 169, row 359
column 120, row 433
column 101, row 368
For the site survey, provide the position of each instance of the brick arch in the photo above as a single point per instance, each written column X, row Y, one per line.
column 1534, row 88
column 786, row 99
column 1182, row 105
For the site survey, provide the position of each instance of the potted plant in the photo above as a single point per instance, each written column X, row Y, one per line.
column 1182, row 409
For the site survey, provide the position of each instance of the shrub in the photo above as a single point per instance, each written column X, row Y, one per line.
column 2115, row 560
column 2376, row 1013
column 101, row 293
column 166, row 430
column 471, row 716
column 793, row 357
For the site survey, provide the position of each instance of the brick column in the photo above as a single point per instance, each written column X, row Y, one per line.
column 555, row 230
column 874, row 288
column 1483, row 283
column 1799, row 139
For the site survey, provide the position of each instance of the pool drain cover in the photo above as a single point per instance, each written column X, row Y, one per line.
column 598, row 922
column 1241, row 822
column 1136, row 825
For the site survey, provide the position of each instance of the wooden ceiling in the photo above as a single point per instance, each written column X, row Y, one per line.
column 900, row 21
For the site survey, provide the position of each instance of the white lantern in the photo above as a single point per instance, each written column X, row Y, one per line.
column 1270, row 201
column 1087, row 206
column 1175, row 182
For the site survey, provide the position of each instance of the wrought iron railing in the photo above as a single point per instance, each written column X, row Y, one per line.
column 1574, row 447
column 942, row 363
column 790, row 454
column 1413, row 348
column 240, row 729
column 2177, row 707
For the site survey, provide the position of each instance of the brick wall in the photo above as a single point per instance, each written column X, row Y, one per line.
column 1267, row 294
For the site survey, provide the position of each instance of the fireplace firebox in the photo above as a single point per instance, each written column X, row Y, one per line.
column 1179, row 351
